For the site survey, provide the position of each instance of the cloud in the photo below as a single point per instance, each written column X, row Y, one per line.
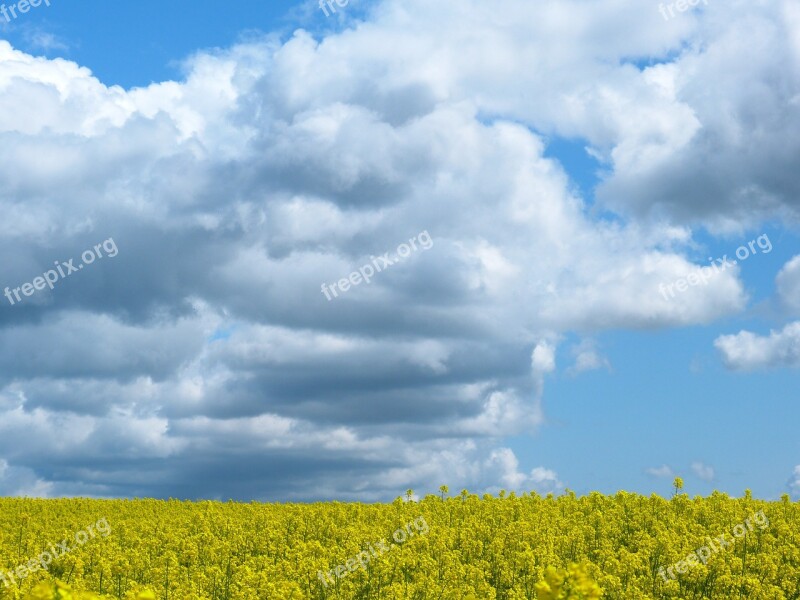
column 747, row 351
column 15, row 481
column 709, row 170
column 704, row 472
column 205, row 351
column 788, row 285
column 794, row 483
column 543, row 361
column 505, row 464
column 587, row 358
column 42, row 40
column 662, row 472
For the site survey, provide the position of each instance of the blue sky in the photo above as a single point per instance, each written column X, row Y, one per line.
column 528, row 348
column 135, row 44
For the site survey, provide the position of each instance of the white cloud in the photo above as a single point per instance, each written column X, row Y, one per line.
column 794, row 483
column 747, row 351
column 661, row 472
column 655, row 174
column 543, row 359
column 702, row 471
column 541, row 480
column 543, row 362
column 788, row 285
column 587, row 358
column 45, row 41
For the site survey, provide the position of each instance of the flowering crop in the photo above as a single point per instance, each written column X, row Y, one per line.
column 507, row 548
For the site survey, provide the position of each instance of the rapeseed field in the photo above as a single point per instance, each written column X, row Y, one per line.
column 625, row 546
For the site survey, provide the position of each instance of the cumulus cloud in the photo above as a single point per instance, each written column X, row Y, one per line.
column 205, row 350
column 729, row 161
column 543, row 361
column 747, row 351
column 539, row 479
column 788, row 285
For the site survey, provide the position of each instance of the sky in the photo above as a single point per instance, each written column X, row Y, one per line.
column 284, row 252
